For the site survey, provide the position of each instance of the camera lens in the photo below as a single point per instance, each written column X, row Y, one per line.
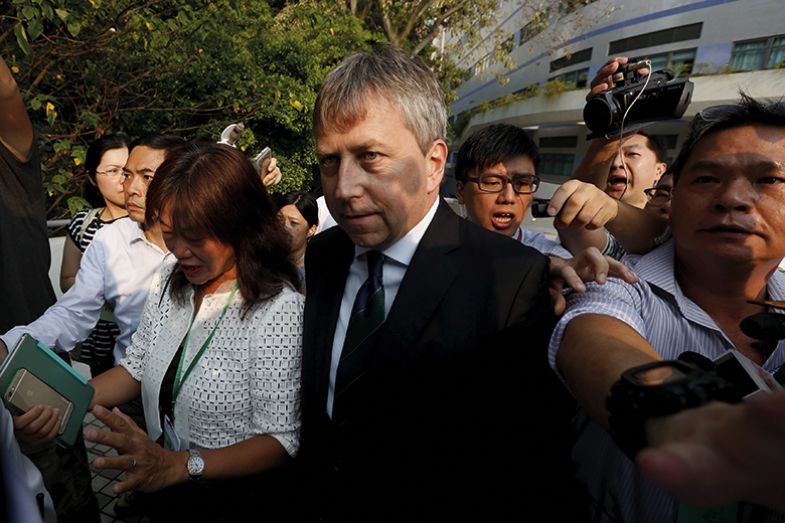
column 598, row 115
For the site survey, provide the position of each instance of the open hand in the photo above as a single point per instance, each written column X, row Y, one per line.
column 148, row 467
column 587, row 265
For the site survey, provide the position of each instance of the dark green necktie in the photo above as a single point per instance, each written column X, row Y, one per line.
column 367, row 316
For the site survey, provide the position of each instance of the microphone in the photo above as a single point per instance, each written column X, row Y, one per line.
column 764, row 326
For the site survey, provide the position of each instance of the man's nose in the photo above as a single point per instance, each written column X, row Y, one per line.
column 133, row 185
column 507, row 194
column 349, row 180
column 736, row 194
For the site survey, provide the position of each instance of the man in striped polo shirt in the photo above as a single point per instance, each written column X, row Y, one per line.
column 728, row 231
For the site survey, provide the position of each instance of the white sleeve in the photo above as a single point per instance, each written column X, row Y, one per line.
column 143, row 336
column 21, row 479
column 275, row 370
column 71, row 319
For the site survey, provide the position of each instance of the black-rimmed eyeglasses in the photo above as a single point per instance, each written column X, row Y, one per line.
column 658, row 196
column 521, row 184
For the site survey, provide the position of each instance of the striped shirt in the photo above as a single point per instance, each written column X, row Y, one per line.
column 537, row 240
column 659, row 311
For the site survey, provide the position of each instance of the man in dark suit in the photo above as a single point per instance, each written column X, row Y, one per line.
column 424, row 335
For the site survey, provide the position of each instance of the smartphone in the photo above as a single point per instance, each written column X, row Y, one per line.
column 262, row 160
column 27, row 390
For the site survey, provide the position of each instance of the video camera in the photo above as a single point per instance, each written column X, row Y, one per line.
column 662, row 97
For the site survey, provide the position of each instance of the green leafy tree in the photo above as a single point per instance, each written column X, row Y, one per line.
column 187, row 67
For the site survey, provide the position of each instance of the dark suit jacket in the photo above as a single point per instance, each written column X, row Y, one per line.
column 447, row 423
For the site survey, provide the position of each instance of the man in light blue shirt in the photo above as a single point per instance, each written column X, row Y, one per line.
column 728, row 236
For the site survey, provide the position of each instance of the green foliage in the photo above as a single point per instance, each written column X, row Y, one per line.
column 188, row 67
column 555, row 87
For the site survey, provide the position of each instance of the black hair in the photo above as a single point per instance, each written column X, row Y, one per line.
column 93, row 159
column 656, row 145
column 305, row 203
column 748, row 111
column 491, row 145
column 165, row 142
column 212, row 190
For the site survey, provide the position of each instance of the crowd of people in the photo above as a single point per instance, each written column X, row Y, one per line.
column 407, row 364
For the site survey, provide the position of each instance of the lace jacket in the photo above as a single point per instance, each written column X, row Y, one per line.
column 246, row 383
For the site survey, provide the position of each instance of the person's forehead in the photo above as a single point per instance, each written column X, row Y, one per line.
column 370, row 107
column 520, row 164
column 291, row 211
column 759, row 145
column 636, row 142
column 143, row 158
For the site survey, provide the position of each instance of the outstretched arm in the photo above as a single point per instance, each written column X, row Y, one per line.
column 16, row 130
column 581, row 210
column 719, row 453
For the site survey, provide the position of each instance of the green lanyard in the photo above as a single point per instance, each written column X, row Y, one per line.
column 178, row 381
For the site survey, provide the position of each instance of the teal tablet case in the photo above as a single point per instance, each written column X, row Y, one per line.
column 30, row 354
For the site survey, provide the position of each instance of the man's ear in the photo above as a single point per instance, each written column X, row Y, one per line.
column 459, row 188
column 437, row 160
column 311, row 231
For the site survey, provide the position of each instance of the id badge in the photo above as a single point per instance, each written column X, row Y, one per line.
column 171, row 440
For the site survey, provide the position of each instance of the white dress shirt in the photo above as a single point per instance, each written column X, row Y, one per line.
column 396, row 262
column 117, row 269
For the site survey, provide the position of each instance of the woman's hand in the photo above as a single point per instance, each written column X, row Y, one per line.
column 148, row 467
column 38, row 425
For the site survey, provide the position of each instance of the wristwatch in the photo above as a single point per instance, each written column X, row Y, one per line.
column 660, row 389
column 195, row 465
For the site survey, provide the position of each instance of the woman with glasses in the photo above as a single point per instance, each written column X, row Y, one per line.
column 104, row 163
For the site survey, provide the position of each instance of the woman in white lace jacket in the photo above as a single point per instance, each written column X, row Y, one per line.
column 217, row 353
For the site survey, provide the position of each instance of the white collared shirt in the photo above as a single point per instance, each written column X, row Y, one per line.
column 116, row 269
column 397, row 259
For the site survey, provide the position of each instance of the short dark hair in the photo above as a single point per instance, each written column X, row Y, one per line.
column 655, row 145
column 748, row 111
column 305, row 203
column 491, row 145
column 93, row 159
column 212, row 190
column 165, row 142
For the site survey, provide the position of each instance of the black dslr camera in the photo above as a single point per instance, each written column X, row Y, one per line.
column 664, row 98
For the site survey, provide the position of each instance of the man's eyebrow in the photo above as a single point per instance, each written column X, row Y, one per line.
column 143, row 170
column 765, row 165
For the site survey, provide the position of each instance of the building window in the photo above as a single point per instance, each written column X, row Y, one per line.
column 666, row 36
column 763, row 53
column 530, row 30
column 572, row 59
column 680, row 62
column 556, row 168
column 579, row 78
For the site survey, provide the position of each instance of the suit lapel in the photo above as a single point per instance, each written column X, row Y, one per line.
column 430, row 274
column 323, row 306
